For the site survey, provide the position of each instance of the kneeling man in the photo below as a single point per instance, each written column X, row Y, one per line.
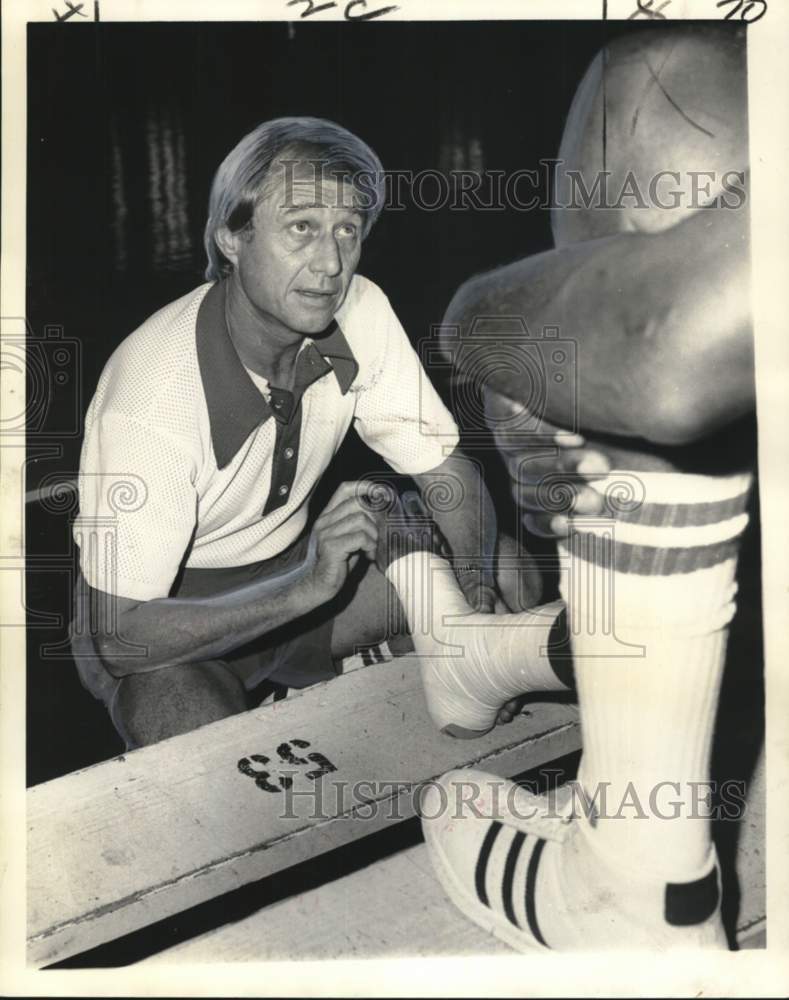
column 221, row 412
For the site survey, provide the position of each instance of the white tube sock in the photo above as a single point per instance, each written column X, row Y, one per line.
column 650, row 592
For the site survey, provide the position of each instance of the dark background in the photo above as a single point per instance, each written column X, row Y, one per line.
column 126, row 126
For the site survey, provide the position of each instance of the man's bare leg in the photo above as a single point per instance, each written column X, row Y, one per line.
column 150, row 707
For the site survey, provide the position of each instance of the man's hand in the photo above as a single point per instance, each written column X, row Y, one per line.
column 480, row 596
column 344, row 530
column 548, row 479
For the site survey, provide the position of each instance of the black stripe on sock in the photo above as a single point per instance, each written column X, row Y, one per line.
column 482, row 861
column 531, row 882
column 509, row 872
column 560, row 652
column 689, row 903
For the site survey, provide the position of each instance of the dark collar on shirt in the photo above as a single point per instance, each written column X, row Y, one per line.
column 235, row 404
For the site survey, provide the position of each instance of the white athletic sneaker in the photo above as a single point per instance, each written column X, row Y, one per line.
column 521, row 867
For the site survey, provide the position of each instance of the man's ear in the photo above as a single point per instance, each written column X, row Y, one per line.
column 227, row 242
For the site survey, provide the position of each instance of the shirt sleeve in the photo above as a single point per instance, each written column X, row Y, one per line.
column 138, row 508
column 399, row 414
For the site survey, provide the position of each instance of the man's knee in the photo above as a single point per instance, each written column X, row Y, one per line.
column 154, row 706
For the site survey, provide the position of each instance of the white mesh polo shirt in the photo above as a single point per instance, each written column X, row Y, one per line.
column 185, row 456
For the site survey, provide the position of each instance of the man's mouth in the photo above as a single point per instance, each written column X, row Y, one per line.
column 316, row 296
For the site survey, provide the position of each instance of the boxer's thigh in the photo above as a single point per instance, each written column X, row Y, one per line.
column 650, row 136
column 153, row 706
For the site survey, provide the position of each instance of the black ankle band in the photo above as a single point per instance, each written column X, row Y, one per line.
column 689, row 903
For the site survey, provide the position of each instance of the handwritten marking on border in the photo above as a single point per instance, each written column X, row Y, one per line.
column 743, row 8
column 72, row 10
column 312, row 8
column 748, row 11
column 645, row 8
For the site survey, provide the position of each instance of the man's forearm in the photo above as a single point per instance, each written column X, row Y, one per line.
column 660, row 323
column 463, row 511
column 177, row 630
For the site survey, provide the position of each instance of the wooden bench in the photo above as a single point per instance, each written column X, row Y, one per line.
column 396, row 908
column 146, row 835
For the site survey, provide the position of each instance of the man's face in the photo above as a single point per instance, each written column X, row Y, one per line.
column 296, row 263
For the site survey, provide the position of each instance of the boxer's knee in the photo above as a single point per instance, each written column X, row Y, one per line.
column 154, row 706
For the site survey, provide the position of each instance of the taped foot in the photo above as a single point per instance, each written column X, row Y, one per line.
column 471, row 663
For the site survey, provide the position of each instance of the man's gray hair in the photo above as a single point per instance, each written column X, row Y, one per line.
column 239, row 182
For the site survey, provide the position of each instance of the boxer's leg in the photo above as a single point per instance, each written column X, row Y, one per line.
column 374, row 613
column 637, row 868
column 648, row 720
column 671, row 570
column 472, row 663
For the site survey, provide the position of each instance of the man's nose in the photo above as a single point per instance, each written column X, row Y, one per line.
column 326, row 259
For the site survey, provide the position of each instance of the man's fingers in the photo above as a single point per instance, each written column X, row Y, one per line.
column 349, row 507
column 350, row 542
column 343, row 491
column 352, row 524
column 532, row 471
column 532, row 468
column 358, row 488
column 589, row 501
column 509, row 710
column 566, row 439
column 593, row 463
column 559, row 496
column 479, row 596
column 546, row 525
column 507, row 417
column 499, row 407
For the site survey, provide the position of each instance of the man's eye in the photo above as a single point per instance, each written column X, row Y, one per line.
column 300, row 228
column 348, row 230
